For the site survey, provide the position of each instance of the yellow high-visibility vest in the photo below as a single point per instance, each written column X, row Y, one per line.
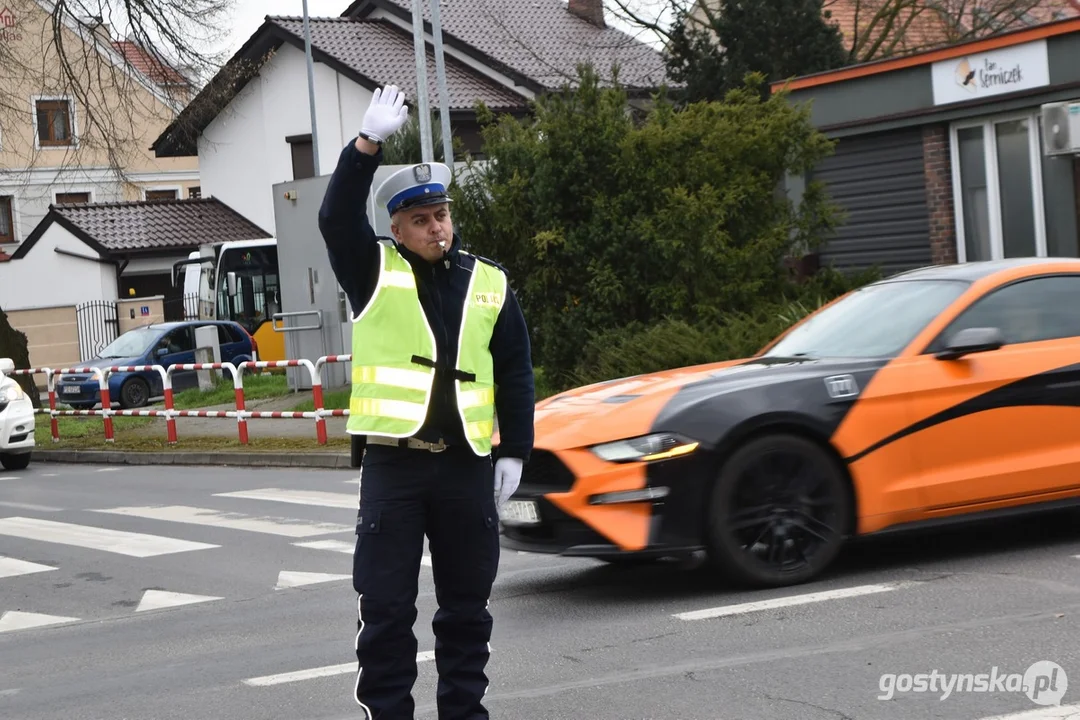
column 394, row 355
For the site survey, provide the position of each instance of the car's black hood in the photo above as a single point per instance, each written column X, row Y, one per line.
column 816, row 390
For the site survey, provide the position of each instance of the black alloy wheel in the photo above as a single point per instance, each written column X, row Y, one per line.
column 779, row 512
column 134, row 393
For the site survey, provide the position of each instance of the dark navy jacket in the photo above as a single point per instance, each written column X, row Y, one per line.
column 353, row 248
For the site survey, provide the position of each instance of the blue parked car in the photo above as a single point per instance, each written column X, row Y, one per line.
column 164, row 344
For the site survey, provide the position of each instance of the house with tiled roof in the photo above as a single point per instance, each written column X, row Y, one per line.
column 250, row 126
column 108, row 251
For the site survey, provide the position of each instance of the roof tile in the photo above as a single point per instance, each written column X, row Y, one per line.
column 542, row 40
column 385, row 54
column 159, row 224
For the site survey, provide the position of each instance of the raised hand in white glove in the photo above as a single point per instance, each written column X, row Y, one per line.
column 507, row 478
column 386, row 113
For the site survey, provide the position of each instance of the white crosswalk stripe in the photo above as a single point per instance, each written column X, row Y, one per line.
column 320, row 672
column 157, row 599
column 340, row 546
column 16, row 620
column 285, row 526
column 96, row 538
column 297, row 497
column 292, row 578
column 12, row 567
column 344, row 547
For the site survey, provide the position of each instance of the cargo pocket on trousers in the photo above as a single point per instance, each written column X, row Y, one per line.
column 368, row 523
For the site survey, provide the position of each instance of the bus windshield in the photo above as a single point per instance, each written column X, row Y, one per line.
column 258, row 294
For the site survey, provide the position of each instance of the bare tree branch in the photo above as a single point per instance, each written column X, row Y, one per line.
column 127, row 67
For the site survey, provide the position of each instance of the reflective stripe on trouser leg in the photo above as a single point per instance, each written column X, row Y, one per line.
column 360, row 669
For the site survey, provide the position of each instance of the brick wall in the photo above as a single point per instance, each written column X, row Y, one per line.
column 937, row 166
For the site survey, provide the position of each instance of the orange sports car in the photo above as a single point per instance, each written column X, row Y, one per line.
column 941, row 394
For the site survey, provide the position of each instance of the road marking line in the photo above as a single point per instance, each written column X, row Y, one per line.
column 10, row 567
column 344, row 547
column 340, row 546
column 790, row 600
column 327, row 671
column 288, row 527
column 292, row 578
column 157, row 599
column 95, row 538
column 15, row 620
column 107, row 469
column 9, row 477
column 32, row 508
column 12, row 691
column 1053, row 712
column 297, row 497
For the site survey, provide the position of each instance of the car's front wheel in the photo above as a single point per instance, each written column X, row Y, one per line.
column 779, row 512
column 134, row 393
column 15, row 461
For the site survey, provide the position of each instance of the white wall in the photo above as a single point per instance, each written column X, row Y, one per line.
column 243, row 153
column 46, row 278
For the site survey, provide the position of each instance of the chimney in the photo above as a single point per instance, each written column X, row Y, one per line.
column 590, row 10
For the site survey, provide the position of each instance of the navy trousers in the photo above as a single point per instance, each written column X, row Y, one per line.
column 404, row 495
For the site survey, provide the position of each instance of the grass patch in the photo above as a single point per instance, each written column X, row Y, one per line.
column 89, row 428
column 95, row 440
column 332, row 400
column 256, row 387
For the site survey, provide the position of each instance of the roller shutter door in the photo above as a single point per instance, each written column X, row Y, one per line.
column 878, row 181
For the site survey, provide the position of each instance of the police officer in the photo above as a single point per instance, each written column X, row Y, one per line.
column 440, row 347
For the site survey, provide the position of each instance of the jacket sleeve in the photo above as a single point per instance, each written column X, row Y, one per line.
column 351, row 242
column 515, row 395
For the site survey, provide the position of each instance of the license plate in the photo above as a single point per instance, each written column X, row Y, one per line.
column 520, row 512
column 71, row 390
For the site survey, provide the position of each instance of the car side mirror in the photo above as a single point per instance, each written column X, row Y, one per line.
column 7, row 366
column 162, row 352
column 972, row 340
column 230, row 283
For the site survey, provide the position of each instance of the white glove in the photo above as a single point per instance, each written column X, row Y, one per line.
column 386, row 113
column 507, row 478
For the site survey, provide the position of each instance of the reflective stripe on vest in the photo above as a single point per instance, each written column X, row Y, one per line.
column 390, row 392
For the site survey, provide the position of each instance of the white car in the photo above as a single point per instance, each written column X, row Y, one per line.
column 16, row 421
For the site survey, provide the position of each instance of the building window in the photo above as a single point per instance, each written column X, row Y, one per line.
column 162, row 194
column 7, row 219
column 53, row 123
column 997, row 188
column 303, row 156
column 194, row 192
column 72, row 198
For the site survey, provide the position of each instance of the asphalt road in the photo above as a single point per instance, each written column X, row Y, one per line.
column 268, row 623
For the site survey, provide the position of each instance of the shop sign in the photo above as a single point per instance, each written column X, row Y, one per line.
column 995, row 72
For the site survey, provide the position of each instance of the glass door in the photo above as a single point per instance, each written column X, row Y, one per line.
column 997, row 188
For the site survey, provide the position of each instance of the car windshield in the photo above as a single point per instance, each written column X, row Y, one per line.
column 133, row 343
column 877, row 320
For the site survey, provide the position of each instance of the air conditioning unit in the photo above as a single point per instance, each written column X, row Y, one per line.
column 1061, row 128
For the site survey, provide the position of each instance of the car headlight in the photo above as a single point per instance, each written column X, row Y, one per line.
column 647, row 448
column 13, row 392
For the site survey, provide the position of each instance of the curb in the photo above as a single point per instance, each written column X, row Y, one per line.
column 194, row 457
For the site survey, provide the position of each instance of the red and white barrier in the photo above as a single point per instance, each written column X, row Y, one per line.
column 170, row 413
